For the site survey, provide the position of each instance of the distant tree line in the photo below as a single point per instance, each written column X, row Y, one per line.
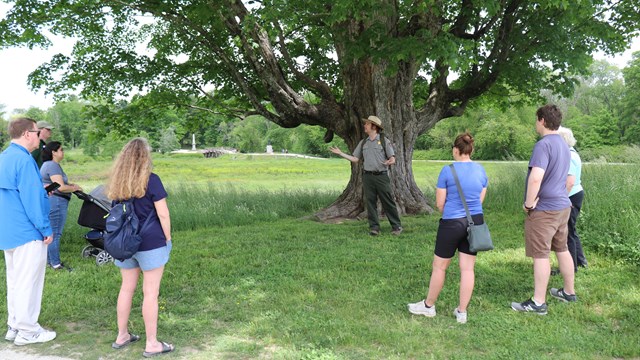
column 604, row 113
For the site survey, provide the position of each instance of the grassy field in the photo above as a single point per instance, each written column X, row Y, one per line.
column 250, row 278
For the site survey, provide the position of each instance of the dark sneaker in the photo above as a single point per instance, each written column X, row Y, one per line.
column 396, row 231
column 61, row 266
column 529, row 306
column 562, row 296
column 374, row 232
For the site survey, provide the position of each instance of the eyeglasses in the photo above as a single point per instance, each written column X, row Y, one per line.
column 35, row 131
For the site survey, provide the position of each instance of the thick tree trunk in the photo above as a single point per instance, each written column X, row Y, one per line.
column 369, row 91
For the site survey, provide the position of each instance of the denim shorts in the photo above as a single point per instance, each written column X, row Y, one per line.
column 147, row 260
column 452, row 236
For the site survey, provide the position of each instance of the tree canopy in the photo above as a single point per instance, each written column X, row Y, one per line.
column 413, row 63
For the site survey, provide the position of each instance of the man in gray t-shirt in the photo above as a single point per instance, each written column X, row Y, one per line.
column 547, row 207
column 378, row 155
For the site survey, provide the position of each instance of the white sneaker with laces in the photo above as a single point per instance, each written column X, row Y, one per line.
column 461, row 317
column 420, row 308
column 11, row 334
column 40, row 337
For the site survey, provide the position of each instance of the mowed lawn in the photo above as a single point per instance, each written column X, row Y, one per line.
column 250, row 277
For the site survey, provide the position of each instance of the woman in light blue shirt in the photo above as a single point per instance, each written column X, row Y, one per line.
column 452, row 230
column 576, row 195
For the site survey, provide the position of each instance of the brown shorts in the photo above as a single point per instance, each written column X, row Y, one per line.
column 545, row 231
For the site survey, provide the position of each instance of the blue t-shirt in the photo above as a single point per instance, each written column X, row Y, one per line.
column 551, row 154
column 473, row 179
column 153, row 236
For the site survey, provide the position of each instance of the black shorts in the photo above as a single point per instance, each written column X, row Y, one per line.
column 452, row 236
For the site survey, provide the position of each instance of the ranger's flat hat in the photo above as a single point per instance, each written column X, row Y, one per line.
column 374, row 120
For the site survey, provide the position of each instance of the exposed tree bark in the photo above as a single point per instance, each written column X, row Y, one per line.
column 369, row 90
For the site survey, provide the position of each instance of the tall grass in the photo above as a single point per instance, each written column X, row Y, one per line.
column 609, row 221
column 610, row 216
column 194, row 207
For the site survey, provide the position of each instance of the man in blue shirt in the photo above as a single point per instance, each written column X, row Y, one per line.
column 547, row 206
column 26, row 232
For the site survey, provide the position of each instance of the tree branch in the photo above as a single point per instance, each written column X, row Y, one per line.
column 191, row 30
column 481, row 80
column 323, row 89
column 459, row 28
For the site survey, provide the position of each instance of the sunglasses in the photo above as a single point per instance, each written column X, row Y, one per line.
column 34, row 131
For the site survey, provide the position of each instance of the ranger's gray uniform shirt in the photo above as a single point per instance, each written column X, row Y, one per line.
column 373, row 153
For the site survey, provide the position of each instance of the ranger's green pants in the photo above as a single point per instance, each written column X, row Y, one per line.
column 379, row 186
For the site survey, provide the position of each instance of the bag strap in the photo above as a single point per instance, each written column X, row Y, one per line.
column 361, row 144
column 384, row 145
column 146, row 221
column 464, row 201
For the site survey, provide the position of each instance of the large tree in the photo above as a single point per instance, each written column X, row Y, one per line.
column 325, row 63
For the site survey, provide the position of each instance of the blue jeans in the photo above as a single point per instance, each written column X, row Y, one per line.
column 57, row 216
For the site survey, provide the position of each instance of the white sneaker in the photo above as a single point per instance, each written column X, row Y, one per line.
column 420, row 308
column 461, row 317
column 11, row 334
column 40, row 337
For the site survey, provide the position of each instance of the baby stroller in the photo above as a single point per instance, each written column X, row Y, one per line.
column 94, row 209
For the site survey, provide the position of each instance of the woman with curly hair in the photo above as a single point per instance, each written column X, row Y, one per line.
column 131, row 178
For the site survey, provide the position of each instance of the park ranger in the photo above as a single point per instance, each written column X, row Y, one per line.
column 378, row 155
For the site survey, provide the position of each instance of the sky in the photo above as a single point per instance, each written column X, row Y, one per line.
column 17, row 63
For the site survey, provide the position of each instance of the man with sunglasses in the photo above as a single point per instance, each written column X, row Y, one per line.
column 44, row 133
column 26, row 233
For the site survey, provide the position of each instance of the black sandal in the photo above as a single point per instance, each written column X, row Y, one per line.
column 132, row 338
column 166, row 348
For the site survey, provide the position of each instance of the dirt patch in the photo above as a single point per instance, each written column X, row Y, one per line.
column 10, row 351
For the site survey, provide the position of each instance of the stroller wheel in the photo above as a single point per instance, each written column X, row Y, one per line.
column 103, row 257
column 86, row 252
